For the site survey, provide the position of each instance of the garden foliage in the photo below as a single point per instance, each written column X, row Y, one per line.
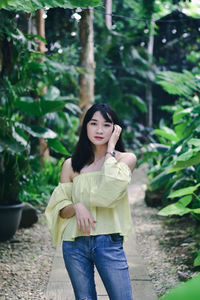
column 32, row 5
column 27, row 114
column 189, row 290
column 175, row 156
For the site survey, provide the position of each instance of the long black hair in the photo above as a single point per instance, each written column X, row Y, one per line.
column 83, row 153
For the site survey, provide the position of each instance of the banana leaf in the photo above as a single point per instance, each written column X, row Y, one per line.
column 32, row 5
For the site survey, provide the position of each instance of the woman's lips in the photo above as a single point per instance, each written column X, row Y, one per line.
column 99, row 138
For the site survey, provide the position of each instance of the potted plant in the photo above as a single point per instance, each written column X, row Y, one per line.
column 14, row 168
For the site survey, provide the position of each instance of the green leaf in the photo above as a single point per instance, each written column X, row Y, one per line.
column 11, row 146
column 185, row 164
column 32, row 5
column 197, row 173
column 40, row 132
column 137, row 101
column 185, row 200
column 180, row 129
column 3, row 3
column 52, row 93
column 73, row 108
column 156, row 147
column 180, row 114
column 189, row 290
column 40, row 107
column 57, row 67
column 185, row 156
column 39, row 37
column 57, row 146
column 197, row 129
column 195, row 142
column 167, row 133
column 19, row 137
column 196, row 210
column 29, row 108
column 35, row 66
column 159, row 181
column 182, row 84
column 185, row 191
column 171, row 108
column 197, row 149
column 196, row 109
column 197, row 260
column 52, row 106
column 174, row 209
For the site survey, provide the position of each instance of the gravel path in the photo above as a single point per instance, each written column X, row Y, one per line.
column 164, row 243
column 25, row 262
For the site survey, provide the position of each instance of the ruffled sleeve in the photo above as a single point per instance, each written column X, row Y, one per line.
column 112, row 186
column 61, row 197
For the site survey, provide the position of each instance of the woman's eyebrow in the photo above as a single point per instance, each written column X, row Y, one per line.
column 97, row 121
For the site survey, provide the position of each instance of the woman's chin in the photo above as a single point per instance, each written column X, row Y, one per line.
column 99, row 143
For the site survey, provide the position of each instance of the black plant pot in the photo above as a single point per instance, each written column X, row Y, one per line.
column 10, row 216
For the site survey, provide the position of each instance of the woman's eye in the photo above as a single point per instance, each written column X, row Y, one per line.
column 92, row 123
column 107, row 125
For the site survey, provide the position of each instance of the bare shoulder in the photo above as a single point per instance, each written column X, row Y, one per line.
column 67, row 172
column 128, row 158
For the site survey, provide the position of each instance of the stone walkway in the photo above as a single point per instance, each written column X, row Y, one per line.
column 59, row 286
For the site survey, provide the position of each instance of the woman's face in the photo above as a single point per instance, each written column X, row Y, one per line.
column 99, row 130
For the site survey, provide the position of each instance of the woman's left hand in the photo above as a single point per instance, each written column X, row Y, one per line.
column 114, row 137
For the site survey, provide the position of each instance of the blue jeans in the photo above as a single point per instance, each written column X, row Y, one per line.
column 107, row 254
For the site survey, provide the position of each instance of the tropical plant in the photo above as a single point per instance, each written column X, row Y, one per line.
column 187, row 290
column 14, row 162
column 181, row 142
column 25, row 111
column 31, row 6
column 41, row 182
column 175, row 158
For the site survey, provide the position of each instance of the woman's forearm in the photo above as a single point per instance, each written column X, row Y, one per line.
column 67, row 211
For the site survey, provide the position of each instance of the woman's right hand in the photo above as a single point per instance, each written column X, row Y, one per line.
column 84, row 218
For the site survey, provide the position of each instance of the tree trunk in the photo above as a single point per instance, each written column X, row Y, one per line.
column 44, row 150
column 108, row 14
column 41, row 30
column 149, row 97
column 86, row 60
column 29, row 27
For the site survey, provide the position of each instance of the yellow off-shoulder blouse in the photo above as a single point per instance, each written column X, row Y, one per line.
column 105, row 195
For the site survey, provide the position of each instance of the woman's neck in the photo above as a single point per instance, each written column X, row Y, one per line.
column 99, row 151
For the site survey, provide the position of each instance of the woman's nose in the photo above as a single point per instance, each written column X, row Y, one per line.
column 99, row 129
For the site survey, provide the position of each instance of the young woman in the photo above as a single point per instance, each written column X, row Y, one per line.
column 89, row 210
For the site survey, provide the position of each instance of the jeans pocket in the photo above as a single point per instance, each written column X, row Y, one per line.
column 116, row 238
